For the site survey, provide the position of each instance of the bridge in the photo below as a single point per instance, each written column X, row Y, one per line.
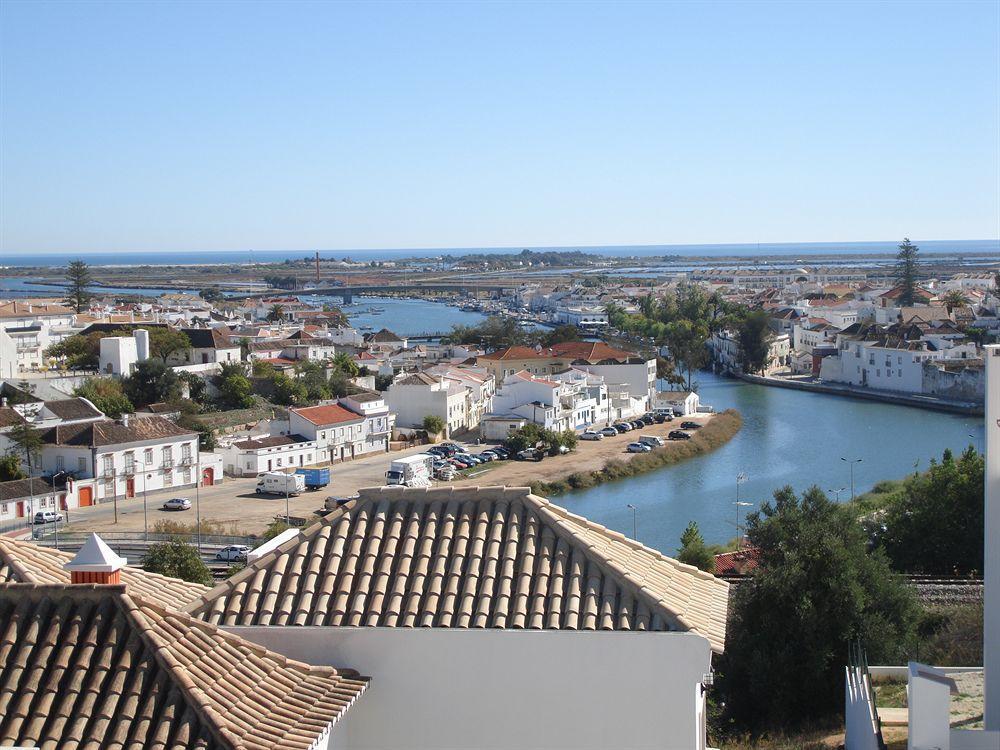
column 347, row 293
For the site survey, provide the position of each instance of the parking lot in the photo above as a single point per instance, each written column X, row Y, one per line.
column 236, row 509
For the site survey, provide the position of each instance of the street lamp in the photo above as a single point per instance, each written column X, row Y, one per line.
column 635, row 534
column 852, row 462
column 739, row 535
column 145, row 484
column 837, row 492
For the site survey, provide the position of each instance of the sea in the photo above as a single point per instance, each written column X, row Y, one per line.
column 749, row 250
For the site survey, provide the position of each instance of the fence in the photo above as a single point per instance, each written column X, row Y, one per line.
column 68, row 539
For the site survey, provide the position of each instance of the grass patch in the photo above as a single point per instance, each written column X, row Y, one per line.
column 951, row 635
column 889, row 692
column 719, row 430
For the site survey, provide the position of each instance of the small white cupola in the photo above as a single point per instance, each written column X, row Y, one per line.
column 95, row 563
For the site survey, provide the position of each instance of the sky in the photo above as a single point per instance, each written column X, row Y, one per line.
column 228, row 125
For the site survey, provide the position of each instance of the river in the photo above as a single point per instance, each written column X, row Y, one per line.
column 788, row 437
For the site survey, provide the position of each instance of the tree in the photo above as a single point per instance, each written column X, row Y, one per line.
column 165, row 341
column 816, row 589
column 288, row 391
column 235, row 386
column 433, row 424
column 206, row 435
column 26, row 441
column 346, row 364
column 78, row 350
column 936, row 523
column 312, row 376
column 78, row 278
column 693, row 550
column 211, row 294
column 107, row 395
column 152, row 382
column 687, row 344
column 275, row 528
column 176, row 559
column 954, row 298
column 276, row 313
column 754, row 338
column 561, row 335
column 10, row 468
column 906, row 272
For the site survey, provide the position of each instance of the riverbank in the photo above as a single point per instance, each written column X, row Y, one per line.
column 868, row 394
column 554, row 477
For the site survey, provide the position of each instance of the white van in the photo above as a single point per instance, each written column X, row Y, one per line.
column 651, row 440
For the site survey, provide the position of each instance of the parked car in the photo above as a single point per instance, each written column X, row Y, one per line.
column 458, row 464
column 233, row 553
column 592, row 435
column 445, row 473
column 678, row 435
column 562, row 450
column 638, row 448
column 647, row 419
column 177, row 503
column 623, row 427
column 638, row 424
column 690, row 426
column 47, row 516
column 609, row 432
column 531, row 454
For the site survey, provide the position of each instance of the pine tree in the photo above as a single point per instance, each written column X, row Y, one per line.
column 78, row 276
column 906, row 272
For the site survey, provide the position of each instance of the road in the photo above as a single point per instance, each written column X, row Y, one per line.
column 233, row 507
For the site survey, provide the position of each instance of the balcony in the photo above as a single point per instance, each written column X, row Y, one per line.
column 168, row 463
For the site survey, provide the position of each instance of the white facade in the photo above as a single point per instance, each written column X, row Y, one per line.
column 683, row 403
column 346, row 430
column 442, row 688
column 118, row 356
column 262, row 453
column 412, row 399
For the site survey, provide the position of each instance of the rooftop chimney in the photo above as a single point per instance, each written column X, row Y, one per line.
column 124, row 420
column 95, row 563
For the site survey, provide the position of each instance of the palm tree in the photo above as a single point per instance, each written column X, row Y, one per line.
column 954, row 298
column 276, row 313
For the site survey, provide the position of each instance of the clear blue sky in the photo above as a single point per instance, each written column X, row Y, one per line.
column 197, row 125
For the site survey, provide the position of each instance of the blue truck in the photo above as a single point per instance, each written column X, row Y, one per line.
column 315, row 478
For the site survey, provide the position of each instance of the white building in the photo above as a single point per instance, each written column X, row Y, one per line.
column 125, row 456
column 429, row 591
column 357, row 425
column 726, row 353
column 460, row 396
column 263, row 453
column 120, row 354
column 682, row 403
column 30, row 328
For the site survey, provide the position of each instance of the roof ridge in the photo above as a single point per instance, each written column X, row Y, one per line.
column 161, row 652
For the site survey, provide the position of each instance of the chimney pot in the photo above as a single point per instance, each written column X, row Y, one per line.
column 95, row 563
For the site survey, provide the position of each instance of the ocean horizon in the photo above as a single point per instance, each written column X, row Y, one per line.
column 743, row 250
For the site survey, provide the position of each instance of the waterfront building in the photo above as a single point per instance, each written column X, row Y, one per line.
column 352, row 427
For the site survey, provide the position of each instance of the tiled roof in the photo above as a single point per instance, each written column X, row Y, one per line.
column 209, row 338
column 18, row 489
column 26, row 562
column 591, row 351
column 108, row 432
column 385, row 335
column 10, row 416
column 96, row 666
column 515, row 352
column 72, row 408
column 19, row 309
column 489, row 557
column 330, row 414
column 271, row 441
column 738, row 563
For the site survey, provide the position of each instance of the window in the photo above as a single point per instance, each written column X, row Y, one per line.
column 5, row 508
column 60, row 463
column 81, row 465
column 168, row 456
column 186, row 452
column 130, row 463
column 168, row 478
column 108, row 465
column 147, row 457
column 186, row 475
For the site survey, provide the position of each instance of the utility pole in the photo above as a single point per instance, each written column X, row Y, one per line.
column 197, row 493
column 635, row 533
column 740, row 479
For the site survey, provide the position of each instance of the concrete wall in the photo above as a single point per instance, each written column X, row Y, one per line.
column 438, row 689
column 964, row 385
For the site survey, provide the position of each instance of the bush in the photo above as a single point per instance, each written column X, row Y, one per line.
column 693, row 550
column 107, row 395
column 177, row 560
column 433, row 424
column 816, row 590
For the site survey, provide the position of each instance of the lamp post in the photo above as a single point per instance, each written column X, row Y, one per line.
column 740, row 479
column 635, row 534
column 56, row 492
column 837, row 492
column 739, row 534
column 145, row 484
column 197, row 495
column 852, row 462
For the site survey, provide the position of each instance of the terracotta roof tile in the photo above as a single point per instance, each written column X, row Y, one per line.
column 488, row 557
column 96, row 666
column 26, row 562
column 330, row 414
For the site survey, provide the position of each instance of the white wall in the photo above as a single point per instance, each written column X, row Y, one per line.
column 439, row 688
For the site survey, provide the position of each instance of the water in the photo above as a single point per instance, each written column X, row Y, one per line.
column 788, row 437
column 407, row 317
column 17, row 258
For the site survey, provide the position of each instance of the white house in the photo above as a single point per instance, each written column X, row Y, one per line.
column 125, row 456
column 253, row 456
column 683, row 403
column 31, row 328
column 355, row 426
column 416, row 396
column 488, row 617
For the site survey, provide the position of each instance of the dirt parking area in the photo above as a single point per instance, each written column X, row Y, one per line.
column 235, row 506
